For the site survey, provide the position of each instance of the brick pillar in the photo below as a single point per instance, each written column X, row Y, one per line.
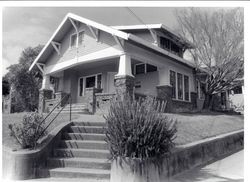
column 124, row 85
column 164, row 92
column 90, row 98
column 44, row 94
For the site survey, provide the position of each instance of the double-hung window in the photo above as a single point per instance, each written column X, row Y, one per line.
column 173, row 83
column 180, row 86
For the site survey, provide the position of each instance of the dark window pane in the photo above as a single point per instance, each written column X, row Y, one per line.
column 90, row 82
column 180, row 86
column 186, row 88
column 139, row 69
column 237, row 90
column 99, row 81
column 173, row 83
column 81, row 86
column 151, row 68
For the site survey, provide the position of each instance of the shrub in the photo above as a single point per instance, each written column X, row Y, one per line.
column 27, row 133
column 137, row 129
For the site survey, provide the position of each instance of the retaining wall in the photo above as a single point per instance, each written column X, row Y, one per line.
column 24, row 164
column 183, row 158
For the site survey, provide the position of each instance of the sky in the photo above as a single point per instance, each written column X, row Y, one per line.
column 27, row 26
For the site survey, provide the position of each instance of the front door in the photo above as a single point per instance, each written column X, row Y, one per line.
column 111, row 82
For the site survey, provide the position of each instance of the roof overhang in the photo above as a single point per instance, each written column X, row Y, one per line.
column 66, row 24
column 160, row 26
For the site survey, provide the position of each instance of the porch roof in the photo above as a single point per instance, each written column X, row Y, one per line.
column 66, row 24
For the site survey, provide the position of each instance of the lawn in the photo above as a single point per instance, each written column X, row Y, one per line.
column 194, row 127
column 191, row 127
column 7, row 119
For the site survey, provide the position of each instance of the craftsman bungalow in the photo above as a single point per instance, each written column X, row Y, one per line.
column 93, row 62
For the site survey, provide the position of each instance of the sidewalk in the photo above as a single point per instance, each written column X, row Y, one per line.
column 229, row 169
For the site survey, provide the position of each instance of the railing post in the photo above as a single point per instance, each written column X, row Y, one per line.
column 70, row 107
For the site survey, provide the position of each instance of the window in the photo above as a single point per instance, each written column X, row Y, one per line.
column 151, row 68
column 139, row 69
column 143, row 68
column 186, row 87
column 99, row 81
column 169, row 45
column 81, row 87
column 74, row 37
column 180, row 86
column 173, row 83
column 237, row 90
column 90, row 81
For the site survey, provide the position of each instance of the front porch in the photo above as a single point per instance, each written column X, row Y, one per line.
column 96, row 82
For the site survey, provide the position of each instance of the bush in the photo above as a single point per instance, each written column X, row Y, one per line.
column 28, row 132
column 137, row 129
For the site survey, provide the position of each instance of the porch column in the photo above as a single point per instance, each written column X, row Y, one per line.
column 44, row 93
column 124, row 80
column 164, row 90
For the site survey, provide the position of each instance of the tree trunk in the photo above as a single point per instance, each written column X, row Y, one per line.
column 208, row 102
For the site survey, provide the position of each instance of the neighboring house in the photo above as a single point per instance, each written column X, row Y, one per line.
column 233, row 99
column 94, row 62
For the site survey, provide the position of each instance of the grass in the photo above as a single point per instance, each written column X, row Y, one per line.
column 191, row 127
column 194, row 127
column 7, row 119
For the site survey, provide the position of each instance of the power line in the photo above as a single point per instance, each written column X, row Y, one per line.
column 140, row 20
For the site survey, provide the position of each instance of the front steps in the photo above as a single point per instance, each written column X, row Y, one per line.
column 77, row 108
column 82, row 153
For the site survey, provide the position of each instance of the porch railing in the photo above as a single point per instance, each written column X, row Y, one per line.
column 66, row 99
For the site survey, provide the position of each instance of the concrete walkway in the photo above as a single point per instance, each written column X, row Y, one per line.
column 229, row 169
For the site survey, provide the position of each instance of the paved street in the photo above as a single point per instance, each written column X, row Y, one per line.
column 229, row 169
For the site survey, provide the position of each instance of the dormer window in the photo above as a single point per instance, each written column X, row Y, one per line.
column 170, row 46
column 73, row 39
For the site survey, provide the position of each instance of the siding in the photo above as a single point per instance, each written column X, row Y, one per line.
column 147, row 56
column 90, row 45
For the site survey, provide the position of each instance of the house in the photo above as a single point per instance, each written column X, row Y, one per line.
column 93, row 63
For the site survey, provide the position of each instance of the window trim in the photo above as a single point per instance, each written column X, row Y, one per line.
column 145, row 68
column 183, row 90
column 74, row 47
column 84, row 86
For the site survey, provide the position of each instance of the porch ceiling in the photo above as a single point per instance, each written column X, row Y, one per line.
column 97, row 64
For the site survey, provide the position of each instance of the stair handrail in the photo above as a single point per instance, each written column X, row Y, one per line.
column 69, row 99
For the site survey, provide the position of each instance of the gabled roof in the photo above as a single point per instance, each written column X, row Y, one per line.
column 64, row 25
column 160, row 26
column 56, row 34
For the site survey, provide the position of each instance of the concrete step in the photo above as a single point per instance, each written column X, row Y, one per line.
column 86, row 153
column 58, row 179
column 86, row 123
column 79, row 163
column 84, row 144
column 69, row 172
column 83, row 136
column 87, row 129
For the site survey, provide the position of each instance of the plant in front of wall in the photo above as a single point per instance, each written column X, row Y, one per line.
column 27, row 132
column 137, row 130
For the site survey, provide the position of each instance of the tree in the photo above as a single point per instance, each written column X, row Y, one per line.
column 25, row 84
column 5, row 86
column 218, row 37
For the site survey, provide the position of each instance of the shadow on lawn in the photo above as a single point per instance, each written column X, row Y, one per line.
column 210, row 113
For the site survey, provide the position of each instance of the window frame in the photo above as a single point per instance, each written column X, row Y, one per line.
column 183, row 88
column 71, row 35
column 84, row 86
column 145, row 68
